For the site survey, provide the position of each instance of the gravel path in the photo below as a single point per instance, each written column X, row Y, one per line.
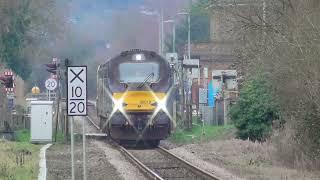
column 103, row 161
column 164, row 166
column 89, row 128
column 245, row 159
column 123, row 166
column 221, row 173
column 98, row 167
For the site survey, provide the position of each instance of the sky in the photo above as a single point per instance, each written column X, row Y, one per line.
column 116, row 25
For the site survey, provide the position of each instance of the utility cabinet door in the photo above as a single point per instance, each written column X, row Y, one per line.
column 41, row 123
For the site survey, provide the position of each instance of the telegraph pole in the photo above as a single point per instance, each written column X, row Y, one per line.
column 66, row 119
column 181, row 90
column 189, row 36
column 189, row 57
column 57, row 101
column 162, row 33
column 187, row 102
column 159, row 34
column 174, row 37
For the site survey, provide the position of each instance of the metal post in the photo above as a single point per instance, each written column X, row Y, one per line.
column 182, row 104
column 162, row 33
column 217, row 111
column 199, row 74
column 225, row 117
column 189, row 37
column 58, row 103
column 160, row 38
column 72, row 148
column 189, row 102
column 84, row 149
column 66, row 64
column 174, row 37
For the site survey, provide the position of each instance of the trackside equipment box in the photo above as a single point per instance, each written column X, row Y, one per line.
column 41, row 121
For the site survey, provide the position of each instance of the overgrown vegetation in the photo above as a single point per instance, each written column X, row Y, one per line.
column 19, row 160
column 201, row 133
column 24, row 24
column 280, row 39
column 255, row 111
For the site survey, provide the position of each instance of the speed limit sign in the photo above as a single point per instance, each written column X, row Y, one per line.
column 77, row 91
column 51, row 84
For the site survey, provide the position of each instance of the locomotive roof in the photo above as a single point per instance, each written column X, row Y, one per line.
column 126, row 56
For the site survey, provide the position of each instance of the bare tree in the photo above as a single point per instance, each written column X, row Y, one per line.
column 281, row 38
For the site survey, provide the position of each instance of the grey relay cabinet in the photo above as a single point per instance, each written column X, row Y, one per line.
column 41, row 121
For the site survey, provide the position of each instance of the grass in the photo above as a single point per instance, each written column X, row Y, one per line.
column 23, row 135
column 60, row 137
column 10, row 152
column 200, row 134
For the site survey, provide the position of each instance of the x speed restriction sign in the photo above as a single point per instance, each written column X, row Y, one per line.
column 77, row 91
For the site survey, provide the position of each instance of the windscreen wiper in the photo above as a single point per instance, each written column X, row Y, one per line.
column 151, row 75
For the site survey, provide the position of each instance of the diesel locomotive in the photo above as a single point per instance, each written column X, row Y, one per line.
column 134, row 101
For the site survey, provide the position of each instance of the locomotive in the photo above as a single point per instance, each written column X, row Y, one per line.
column 134, row 99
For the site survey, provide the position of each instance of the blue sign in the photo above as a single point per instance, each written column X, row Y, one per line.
column 212, row 93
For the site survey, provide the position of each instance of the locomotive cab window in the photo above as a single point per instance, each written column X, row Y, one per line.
column 138, row 72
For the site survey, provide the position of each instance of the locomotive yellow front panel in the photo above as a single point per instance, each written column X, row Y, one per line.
column 139, row 101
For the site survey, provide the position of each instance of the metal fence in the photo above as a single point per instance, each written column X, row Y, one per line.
column 11, row 121
column 213, row 115
column 4, row 114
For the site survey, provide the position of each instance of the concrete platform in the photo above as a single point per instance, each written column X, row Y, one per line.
column 93, row 135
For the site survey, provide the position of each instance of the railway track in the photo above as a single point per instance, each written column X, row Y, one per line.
column 159, row 163
column 93, row 123
column 91, row 117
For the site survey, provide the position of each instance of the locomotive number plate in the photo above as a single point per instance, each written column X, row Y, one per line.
column 145, row 102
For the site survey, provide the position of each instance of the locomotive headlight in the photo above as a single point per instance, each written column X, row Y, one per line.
column 118, row 104
column 138, row 57
column 162, row 104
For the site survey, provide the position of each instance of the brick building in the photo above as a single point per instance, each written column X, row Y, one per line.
column 216, row 56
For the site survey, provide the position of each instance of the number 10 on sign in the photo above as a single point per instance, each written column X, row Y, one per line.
column 77, row 91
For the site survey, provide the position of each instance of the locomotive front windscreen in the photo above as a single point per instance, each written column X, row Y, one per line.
column 138, row 72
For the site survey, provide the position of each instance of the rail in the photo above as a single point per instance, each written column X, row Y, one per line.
column 169, row 162
column 188, row 165
column 146, row 170
column 187, row 170
column 93, row 123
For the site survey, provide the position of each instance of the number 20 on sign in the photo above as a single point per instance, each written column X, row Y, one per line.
column 77, row 91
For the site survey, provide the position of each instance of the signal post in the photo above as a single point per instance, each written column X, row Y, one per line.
column 77, row 105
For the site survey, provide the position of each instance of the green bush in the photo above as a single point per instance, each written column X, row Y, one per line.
column 23, row 135
column 255, row 111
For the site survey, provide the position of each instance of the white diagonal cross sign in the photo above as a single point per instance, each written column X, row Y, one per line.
column 76, row 75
